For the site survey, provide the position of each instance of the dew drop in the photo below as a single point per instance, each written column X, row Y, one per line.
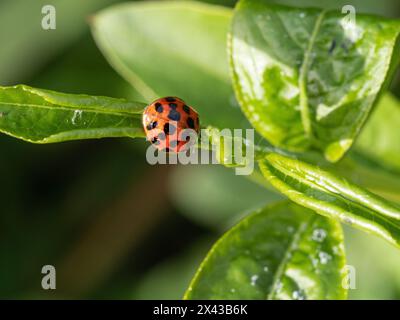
column 77, row 116
column 297, row 295
column 314, row 262
column 324, row 257
column 319, row 235
column 348, row 220
column 254, row 279
column 335, row 249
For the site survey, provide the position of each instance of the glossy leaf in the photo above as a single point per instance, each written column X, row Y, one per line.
column 362, row 170
column 281, row 252
column 173, row 48
column 334, row 197
column 308, row 78
column 371, row 172
column 43, row 116
column 383, row 7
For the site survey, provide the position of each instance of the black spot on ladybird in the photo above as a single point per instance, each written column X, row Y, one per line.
column 186, row 109
column 152, row 125
column 190, row 123
column 155, row 141
column 173, row 105
column 169, row 128
column 159, row 108
column 174, row 115
column 170, row 99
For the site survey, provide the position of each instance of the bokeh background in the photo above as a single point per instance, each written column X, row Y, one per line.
column 112, row 225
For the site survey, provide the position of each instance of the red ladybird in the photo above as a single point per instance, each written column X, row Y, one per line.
column 165, row 119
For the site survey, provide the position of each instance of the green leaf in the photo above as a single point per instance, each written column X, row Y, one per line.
column 383, row 7
column 281, row 252
column 374, row 161
column 173, row 48
column 307, row 78
column 334, row 197
column 369, row 174
column 43, row 116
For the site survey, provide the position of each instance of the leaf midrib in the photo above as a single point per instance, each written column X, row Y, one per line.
column 304, row 107
column 77, row 108
column 282, row 265
column 348, row 201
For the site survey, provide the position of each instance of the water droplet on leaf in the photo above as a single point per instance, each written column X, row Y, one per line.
column 324, row 257
column 297, row 295
column 254, row 279
column 76, row 117
column 319, row 235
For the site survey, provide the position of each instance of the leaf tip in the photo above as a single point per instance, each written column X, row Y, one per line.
column 337, row 149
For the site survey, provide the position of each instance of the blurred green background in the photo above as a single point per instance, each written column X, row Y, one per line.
column 89, row 207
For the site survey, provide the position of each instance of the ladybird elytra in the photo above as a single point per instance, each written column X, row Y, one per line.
column 165, row 119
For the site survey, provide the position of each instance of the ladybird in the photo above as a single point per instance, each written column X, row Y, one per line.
column 164, row 121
